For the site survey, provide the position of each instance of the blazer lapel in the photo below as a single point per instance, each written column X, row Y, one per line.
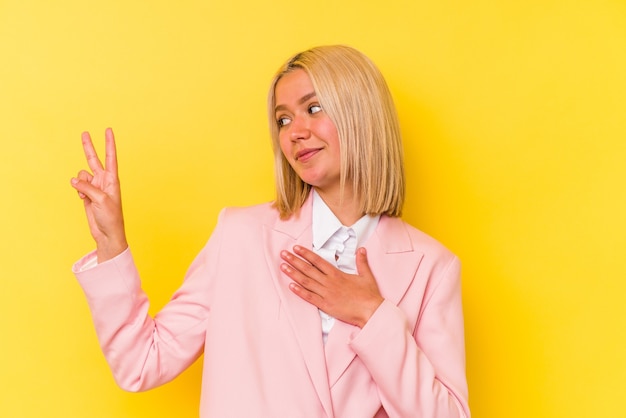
column 393, row 261
column 303, row 317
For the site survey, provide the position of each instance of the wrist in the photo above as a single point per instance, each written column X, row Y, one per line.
column 110, row 249
column 369, row 311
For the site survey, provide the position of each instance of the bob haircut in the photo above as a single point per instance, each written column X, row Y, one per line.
column 354, row 94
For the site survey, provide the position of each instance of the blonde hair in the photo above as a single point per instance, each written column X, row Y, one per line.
column 354, row 94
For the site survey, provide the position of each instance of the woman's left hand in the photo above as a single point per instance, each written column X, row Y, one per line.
column 350, row 298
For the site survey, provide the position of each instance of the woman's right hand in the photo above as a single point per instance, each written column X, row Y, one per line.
column 100, row 192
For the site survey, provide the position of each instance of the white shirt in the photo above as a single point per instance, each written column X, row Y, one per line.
column 337, row 243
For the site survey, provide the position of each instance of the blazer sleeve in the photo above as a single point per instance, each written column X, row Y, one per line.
column 420, row 372
column 145, row 352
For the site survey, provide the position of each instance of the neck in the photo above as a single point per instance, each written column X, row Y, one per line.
column 345, row 208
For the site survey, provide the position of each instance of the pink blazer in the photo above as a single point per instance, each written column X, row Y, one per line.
column 263, row 350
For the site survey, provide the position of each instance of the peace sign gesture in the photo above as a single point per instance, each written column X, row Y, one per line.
column 100, row 192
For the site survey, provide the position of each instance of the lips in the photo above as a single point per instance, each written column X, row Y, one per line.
column 306, row 154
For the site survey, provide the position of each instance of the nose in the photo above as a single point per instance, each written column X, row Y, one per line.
column 300, row 128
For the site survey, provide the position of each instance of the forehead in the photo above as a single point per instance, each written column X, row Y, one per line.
column 293, row 86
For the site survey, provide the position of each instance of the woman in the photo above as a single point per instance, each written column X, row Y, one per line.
column 321, row 304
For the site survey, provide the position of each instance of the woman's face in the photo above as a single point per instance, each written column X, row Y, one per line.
column 307, row 136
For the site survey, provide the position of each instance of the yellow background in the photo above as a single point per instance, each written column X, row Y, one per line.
column 514, row 117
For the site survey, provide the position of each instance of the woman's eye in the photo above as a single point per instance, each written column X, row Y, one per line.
column 315, row 108
column 283, row 121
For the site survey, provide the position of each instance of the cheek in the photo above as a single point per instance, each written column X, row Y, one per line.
column 332, row 137
column 329, row 131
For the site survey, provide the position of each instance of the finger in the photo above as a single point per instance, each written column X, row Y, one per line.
column 307, row 295
column 303, row 266
column 362, row 265
column 74, row 181
column 298, row 277
column 304, row 283
column 90, row 153
column 86, row 189
column 84, row 176
column 314, row 259
column 110, row 162
column 297, row 264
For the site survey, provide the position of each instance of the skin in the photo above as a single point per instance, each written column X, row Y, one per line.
column 309, row 141
column 101, row 195
column 308, row 138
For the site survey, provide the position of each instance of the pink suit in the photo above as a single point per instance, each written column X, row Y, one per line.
column 263, row 350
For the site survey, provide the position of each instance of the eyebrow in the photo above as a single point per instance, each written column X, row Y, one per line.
column 302, row 100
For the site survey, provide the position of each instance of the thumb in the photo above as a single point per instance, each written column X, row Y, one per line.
column 86, row 190
column 362, row 265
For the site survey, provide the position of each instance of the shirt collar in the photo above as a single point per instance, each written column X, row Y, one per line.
column 325, row 224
